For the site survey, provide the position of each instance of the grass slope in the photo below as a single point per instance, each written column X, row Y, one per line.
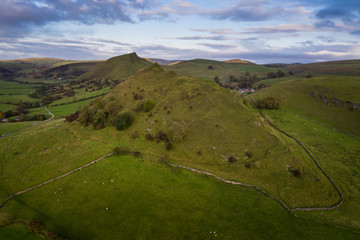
column 322, row 98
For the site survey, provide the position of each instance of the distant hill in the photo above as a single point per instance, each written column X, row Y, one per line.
column 237, row 61
column 204, row 68
column 71, row 70
column 163, row 61
column 116, row 68
column 347, row 67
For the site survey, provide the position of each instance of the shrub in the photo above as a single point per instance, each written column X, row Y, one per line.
column 35, row 226
column 169, row 146
column 148, row 105
column 134, row 134
column 248, row 164
column 139, row 107
column 137, row 154
column 99, row 119
column 149, row 137
column 162, row 136
column 296, row 172
column 248, row 154
column 121, row 150
column 72, row 117
column 124, row 120
column 268, row 103
column 199, row 152
column 232, row 158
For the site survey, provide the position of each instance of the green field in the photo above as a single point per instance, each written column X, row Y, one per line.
column 131, row 198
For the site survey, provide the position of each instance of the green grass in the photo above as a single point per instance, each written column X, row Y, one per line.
column 13, row 92
column 5, row 107
column 122, row 197
column 337, row 153
column 17, row 232
column 12, row 126
column 81, row 95
column 269, row 82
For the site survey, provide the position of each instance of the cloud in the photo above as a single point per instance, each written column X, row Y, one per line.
column 198, row 37
column 222, row 31
column 217, row 46
column 283, row 28
column 18, row 17
column 244, row 11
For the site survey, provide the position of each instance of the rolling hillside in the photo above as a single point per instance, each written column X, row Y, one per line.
column 192, row 160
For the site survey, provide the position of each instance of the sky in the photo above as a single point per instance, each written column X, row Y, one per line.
column 261, row 31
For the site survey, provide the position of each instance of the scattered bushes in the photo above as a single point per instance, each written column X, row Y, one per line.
column 124, row 120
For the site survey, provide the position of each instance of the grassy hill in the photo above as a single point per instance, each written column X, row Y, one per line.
column 116, row 68
column 345, row 68
column 203, row 68
column 331, row 99
column 71, row 70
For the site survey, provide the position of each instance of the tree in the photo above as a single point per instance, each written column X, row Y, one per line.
column 124, row 120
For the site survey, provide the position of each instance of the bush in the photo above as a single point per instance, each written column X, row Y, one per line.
column 248, row 154
column 124, row 120
column 268, row 103
column 162, row 136
column 169, row 146
column 232, row 158
column 137, row 154
column 72, row 117
column 148, row 105
column 149, row 137
column 134, row 134
column 248, row 164
column 121, row 150
column 99, row 119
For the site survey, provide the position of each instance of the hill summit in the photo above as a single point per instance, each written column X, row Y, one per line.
column 116, row 68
